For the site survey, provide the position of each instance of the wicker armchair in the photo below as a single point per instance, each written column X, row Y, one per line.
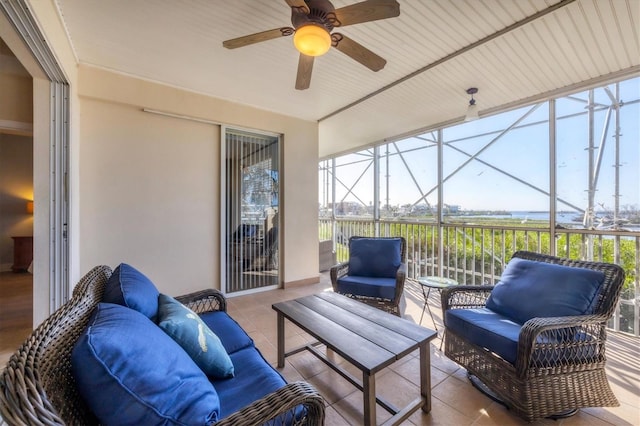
column 37, row 386
column 391, row 304
column 560, row 361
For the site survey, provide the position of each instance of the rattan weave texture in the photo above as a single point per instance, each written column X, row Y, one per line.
column 554, row 372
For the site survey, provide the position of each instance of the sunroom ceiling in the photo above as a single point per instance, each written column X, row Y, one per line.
column 513, row 51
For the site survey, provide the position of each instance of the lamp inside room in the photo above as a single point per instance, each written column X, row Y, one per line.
column 472, row 109
column 312, row 40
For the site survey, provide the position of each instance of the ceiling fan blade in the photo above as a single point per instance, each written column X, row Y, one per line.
column 305, row 66
column 370, row 10
column 299, row 5
column 257, row 37
column 358, row 52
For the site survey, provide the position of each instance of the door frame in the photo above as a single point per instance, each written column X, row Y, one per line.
column 51, row 102
column 223, row 208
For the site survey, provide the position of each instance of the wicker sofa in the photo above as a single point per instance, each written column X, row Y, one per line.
column 536, row 340
column 39, row 384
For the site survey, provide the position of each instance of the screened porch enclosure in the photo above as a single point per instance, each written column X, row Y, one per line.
column 251, row 224
column 558, row 177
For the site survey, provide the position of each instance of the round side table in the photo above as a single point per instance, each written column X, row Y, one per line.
column 437, row 283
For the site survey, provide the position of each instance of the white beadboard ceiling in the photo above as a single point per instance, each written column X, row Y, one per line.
column 512, row 50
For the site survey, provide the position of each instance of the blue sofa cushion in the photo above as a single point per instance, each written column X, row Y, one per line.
column 233, row 336
column 499, row 334
column 189, row 331
column 131, row 288
column 254, row 380
column 486, row 329
column 131, row 373
column 374, row 257
column 529, row 289
column 368, row 286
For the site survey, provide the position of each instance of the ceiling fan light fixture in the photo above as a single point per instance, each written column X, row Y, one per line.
column 472, row 110
column 312, row 40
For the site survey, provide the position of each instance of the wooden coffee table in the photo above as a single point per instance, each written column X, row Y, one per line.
column 368, row 338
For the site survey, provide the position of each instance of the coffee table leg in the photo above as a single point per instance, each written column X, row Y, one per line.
column 425, row 376
column 369, row 396
column 280, row 340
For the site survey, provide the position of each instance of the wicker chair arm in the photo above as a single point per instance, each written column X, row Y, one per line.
column 336, row 272
column 561, row 342
column 465, row 296
column 401, row 277
column 209, row 300
column 282, row 402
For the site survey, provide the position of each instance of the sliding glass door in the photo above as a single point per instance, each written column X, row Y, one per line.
column 251, row 188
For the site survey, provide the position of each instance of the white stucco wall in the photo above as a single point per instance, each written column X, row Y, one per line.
column 150, row 184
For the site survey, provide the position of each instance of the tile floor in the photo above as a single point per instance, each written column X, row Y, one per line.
column 454, row 400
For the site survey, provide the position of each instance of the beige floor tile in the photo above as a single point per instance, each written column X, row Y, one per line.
column 332, row 385
column 307, row 364
column 441, row 414
column 333, row 418
column 625, row 414
column 289, row 372
column 352, row 409
column 461, row 396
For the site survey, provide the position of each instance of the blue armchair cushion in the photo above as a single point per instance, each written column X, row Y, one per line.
column 131, row 288
column 254, row 380
column 374, row 257
column 232, row 336
column 488, row 329
column 131, row 373
column 384, row 288
column 196, row 338
column 529, row 289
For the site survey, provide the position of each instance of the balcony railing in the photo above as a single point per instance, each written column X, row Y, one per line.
column 477, row 254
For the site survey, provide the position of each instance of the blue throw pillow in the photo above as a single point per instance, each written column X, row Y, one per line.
column 131, row 373
column 196, row 338
column 131, row 288
column 374, row 257
column 530, row 289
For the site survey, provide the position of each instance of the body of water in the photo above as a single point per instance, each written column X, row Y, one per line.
column 565, row 218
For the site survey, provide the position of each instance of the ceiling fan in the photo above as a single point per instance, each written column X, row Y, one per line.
column 313, row 22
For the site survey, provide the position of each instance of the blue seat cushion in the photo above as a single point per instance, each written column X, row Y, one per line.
column 486, row 329
column 232, row 336
column 384, row 288
column 131, row 373
column 131, row 288
column 253, row 380
column 529, row 289
column 499, row 334
column 374, row 257
column 194, row 336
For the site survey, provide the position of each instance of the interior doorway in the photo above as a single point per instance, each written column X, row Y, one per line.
column 16, row 202
column 251, row 221
column 50, row 98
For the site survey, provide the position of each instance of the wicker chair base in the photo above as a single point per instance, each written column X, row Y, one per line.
column 537, row 396
column 488, row 392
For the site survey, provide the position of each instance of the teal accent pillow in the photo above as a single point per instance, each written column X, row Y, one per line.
column 196, row 338
column 129, row 372
column 131, row 288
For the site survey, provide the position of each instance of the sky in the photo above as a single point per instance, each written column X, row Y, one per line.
column 486, row 167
